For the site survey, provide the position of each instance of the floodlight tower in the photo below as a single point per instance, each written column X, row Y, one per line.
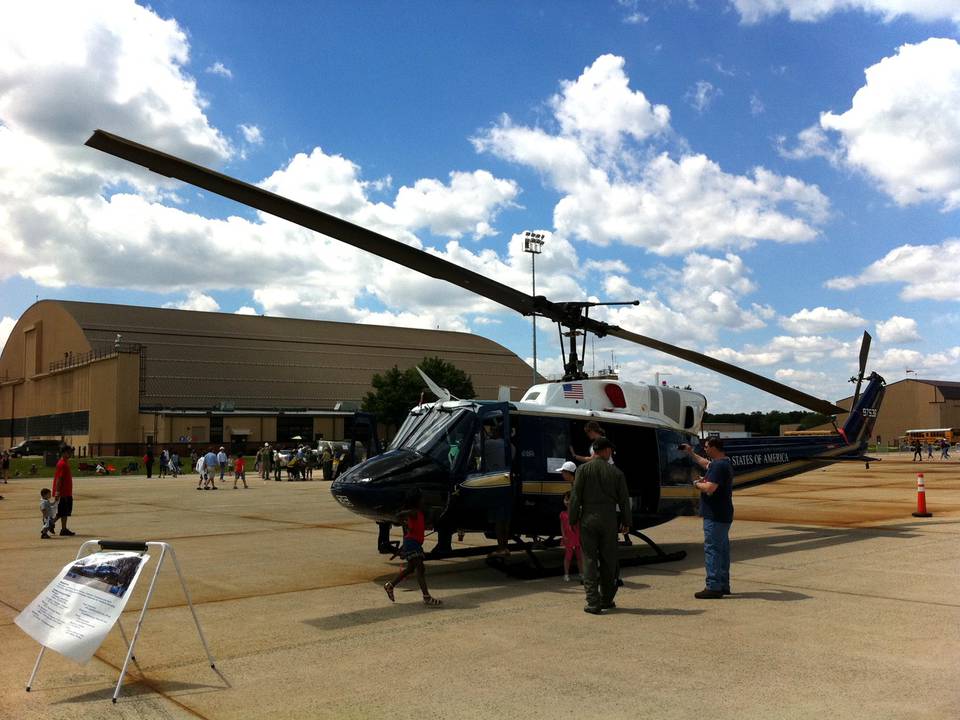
column 533, row 244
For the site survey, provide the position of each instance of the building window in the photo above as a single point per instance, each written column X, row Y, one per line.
column 216, row 429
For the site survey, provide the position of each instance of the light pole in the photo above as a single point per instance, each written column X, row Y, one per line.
column 533, row 244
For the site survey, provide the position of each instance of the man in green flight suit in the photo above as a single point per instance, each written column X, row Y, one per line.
column 599, row 495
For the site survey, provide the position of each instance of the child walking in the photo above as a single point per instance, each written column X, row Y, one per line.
column 571, row 539
column 48, row 509
column 238, row 471
column 412, row 548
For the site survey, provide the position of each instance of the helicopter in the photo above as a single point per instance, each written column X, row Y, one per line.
column 476, row 462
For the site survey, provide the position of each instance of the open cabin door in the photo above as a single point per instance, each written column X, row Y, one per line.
column 487, row 488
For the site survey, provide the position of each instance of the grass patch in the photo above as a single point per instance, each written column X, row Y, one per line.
column 33, row 467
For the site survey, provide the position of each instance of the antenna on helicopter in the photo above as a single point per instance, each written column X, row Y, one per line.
column 442, row 393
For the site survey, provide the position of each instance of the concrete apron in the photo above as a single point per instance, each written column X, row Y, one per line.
column 845, row 607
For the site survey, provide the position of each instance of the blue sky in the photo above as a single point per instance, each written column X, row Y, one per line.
column 768, row 177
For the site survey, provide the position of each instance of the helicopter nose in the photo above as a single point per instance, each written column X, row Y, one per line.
column 377, row 488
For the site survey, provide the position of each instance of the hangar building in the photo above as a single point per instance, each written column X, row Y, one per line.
column 110, row 379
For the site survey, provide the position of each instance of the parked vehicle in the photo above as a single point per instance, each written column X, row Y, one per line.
column 35, row 447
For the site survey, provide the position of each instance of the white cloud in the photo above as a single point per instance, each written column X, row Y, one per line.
column 218, row 68
column 811, row 142
column 111, row 64
column 782, row 350
column 252, row 134
column 756, row 105
column 625, row 113
column 897, row 330
column 821, row 320
column 616, row 188
column 6, row 326
column 753, row 11
column 702, row 95
column 634, row 16
column 245, row 310
column 693, row 304
column 903, row 126
column 466, row 205
column 927, row 272
column 810, row 381
column 195, row 300
column 606, row 266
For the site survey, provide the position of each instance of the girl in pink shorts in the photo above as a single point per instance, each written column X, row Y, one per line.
column 571, row 539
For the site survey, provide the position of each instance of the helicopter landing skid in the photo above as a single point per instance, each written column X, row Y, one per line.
column 659, row 557
column 536, row 569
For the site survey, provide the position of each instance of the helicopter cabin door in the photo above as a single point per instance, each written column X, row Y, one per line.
column 487, row 488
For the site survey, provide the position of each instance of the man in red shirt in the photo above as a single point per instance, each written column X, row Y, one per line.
column 63, row 489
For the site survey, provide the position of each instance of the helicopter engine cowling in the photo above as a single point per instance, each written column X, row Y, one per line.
column 377, row 488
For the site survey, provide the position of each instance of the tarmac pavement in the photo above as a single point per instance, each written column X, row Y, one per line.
column 845, row 606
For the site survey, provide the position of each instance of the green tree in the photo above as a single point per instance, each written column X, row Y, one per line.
column 396, row 391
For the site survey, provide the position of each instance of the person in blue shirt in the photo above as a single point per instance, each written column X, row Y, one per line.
column 716, row 508
column 210, row 460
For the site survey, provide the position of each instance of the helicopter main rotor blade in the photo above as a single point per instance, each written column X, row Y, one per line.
column 419, row 260
column 308, row 217
column 732, row 371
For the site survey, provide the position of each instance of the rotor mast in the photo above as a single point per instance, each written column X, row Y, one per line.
column 575, row 317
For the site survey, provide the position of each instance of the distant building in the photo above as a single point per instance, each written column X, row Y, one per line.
column 910, row 404
column 109, row 379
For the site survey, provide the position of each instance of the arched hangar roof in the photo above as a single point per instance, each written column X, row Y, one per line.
column 197, row 360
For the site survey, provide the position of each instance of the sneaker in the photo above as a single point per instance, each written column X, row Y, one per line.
column 708, row 594
column 593, row 610
column 727, row 591
column 214, row 488
column 65, row 531
column 566, row 578
column 44, row 535
column 608, row 605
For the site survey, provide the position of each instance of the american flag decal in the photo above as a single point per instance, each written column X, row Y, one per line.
column 573, row 391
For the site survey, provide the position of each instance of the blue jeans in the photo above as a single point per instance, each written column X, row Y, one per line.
column 716, row 553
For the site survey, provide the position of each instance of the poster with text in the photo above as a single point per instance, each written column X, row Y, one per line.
column 75, row 612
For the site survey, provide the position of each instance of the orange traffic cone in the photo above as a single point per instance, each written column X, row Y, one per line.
column 921, row 499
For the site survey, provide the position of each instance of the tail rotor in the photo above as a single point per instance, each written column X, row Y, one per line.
column 864, row 353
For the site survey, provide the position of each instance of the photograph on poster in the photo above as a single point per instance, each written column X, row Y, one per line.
column 113, row 575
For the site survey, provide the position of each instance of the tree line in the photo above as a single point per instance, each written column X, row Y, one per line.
column 769, row 423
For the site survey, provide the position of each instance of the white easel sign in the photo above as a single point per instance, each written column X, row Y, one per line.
column 78, row 608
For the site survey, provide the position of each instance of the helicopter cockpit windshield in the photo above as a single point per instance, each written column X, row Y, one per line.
column 439, row 433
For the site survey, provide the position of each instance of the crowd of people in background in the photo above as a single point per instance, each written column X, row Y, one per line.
column 942, row 446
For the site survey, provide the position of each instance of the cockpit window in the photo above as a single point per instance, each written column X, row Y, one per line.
column 452, row 440
column 441, row 434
